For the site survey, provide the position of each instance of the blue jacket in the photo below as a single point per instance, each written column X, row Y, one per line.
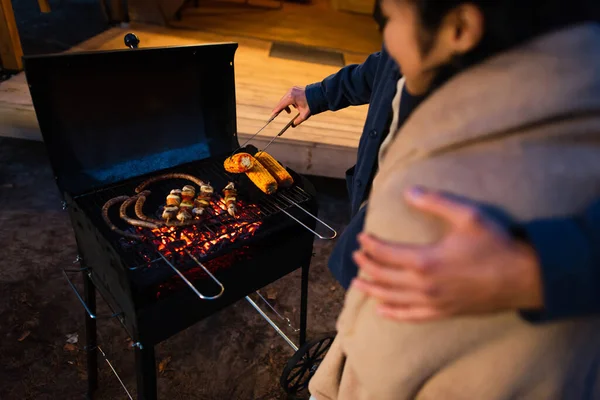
column 373, row 82
column 568, row 248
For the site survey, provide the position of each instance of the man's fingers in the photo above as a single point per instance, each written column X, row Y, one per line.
column 406, row 256
column 390, row 276
column 409, row 314
column 303, row 116
column 390, row 295
column 284, row 104
column 445, row 206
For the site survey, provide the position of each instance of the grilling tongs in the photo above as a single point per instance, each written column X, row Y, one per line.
column 281, row 132
column 287, row 199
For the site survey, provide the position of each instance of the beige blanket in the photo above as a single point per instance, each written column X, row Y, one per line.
column 520, row 131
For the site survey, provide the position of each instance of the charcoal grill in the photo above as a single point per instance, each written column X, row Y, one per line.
column 111, row 120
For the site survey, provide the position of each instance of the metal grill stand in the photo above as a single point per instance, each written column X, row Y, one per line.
column 296, row 374
column 93, row 163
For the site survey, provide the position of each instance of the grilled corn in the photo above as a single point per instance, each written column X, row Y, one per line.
column 283, row 178
column 239, row 163
column 262, row 178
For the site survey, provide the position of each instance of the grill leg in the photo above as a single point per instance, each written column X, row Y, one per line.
column 303, row 303
column 90, row 335
column 145, row 366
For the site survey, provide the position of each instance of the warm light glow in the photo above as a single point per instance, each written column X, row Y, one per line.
column 216, row 230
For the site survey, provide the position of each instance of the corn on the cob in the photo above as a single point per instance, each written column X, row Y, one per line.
column 262, row 178
column 283, row 178
column 239, row 163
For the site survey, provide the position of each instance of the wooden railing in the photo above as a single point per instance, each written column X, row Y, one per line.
column 10, row 43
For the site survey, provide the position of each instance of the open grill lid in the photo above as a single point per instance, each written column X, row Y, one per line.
column 112, row 115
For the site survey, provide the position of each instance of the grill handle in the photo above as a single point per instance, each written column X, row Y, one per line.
column 87, row 309
column 190, row 284
column 131, row 40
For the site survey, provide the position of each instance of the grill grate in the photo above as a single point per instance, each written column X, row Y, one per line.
column 202, row 239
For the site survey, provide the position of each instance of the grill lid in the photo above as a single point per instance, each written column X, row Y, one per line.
column 112, row 115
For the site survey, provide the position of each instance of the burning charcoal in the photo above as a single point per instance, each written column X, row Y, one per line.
column 175, row 245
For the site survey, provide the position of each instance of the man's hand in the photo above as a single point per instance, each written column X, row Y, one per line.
column 476, row 268
column 295, row 97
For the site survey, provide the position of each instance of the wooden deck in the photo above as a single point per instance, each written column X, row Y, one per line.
column 316, row 24
column 324, row 145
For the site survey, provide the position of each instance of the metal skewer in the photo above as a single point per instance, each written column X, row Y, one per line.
column 295, row 204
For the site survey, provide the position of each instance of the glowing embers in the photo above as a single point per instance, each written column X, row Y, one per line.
column 215, row 233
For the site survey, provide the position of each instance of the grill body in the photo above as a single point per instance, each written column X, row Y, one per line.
column 151, row 300
column 110, row 120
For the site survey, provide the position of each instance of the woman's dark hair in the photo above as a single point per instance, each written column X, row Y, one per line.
column 508, row 23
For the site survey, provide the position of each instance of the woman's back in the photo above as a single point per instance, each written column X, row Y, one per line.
column 521, row 132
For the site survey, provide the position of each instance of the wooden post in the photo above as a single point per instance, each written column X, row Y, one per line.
column 10, row 44
column 117, row 8
column 44, row 6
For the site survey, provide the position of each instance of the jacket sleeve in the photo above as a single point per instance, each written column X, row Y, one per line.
column 352, row 85
column 569, row 253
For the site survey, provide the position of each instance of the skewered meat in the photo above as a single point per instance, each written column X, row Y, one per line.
column 175, row 175
column 207, row 190
column 112, row 226
column 203, row 199
column 170, row 213
column 239, row 163
column 201, row 202
column 281, row 175
column 198, row 211
column 139, row 206
column 187, row 204
column 188, row 192
column 173, row 200
column 133, row 221
column 184, row 215
column 230, row 197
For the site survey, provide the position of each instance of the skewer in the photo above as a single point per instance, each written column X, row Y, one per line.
column 190, row 284
column 295, row 204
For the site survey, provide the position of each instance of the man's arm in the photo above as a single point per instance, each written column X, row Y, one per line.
column 568, row 251
column 352, row 85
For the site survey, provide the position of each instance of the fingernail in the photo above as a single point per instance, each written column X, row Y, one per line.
column 416, row 192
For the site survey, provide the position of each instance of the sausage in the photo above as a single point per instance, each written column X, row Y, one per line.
column 107, row 205
column 132, row 221
column 139, row 204
column 174, row 175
